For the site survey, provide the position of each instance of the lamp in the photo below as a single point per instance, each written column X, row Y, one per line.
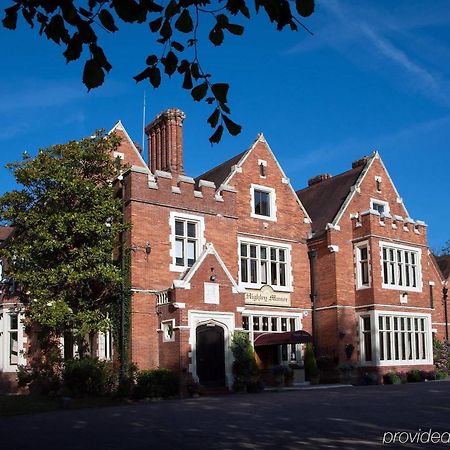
column 148, row 248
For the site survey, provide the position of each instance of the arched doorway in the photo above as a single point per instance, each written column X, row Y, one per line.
column 210, row 355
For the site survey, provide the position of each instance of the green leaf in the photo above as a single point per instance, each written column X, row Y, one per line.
column 127, row 10
column 177, row 46
column 213, row 119
column 74, row 48
column 184, row 22
column 305, row 7
column 107, row 20
column 170, row 63
column 93, row 75
column 171, row 9
column 199, row 92
column 143, row 75
column 10, row 20
column 151, row 60
column 56, row 31
column 220, row 91
column 216, row 36
column 85, row 13
column 195, row 70
column 217, row 135
column 155, row 25
column 99, row 56
column 233, row 128
column 236, row 29
column 187, row 82
column 155, row 77
column 166, row 30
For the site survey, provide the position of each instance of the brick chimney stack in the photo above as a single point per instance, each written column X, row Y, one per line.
column 165, row 142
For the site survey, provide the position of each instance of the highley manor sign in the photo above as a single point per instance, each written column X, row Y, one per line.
column 267, row 296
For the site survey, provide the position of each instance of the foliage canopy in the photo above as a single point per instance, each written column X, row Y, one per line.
column 175, row 25
column 65, row 220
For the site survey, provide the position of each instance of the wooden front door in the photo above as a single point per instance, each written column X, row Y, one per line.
column 210, row 355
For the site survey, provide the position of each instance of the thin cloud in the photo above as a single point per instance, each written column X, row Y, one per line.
column 361, row 33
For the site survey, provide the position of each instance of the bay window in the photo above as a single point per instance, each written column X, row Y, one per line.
column 388, row 338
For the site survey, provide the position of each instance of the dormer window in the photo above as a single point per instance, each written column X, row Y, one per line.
column 263, row 202
column 379, row 205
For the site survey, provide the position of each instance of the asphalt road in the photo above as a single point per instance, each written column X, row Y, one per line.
column 350, row 418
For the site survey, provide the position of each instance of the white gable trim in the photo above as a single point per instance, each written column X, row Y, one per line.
column 237, row 168
column 209, row 249
column 119, row 126
column 375, row 155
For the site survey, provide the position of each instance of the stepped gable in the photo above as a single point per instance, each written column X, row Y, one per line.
column 324, row 197
column 220, row 173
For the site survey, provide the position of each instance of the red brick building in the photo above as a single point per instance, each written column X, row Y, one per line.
column 236, row 248
column 378, row 288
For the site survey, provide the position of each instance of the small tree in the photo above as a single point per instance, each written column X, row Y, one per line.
column 65, row 220
column 311, row 369
column 244, row 365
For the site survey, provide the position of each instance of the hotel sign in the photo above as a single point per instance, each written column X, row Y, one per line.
column 266, row 296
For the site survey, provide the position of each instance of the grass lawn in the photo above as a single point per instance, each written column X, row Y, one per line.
column 11, row 405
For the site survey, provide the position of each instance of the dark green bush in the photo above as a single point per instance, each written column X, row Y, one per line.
column 245, row 370
column 156, row 383
column 413, row 376
column 89, row 376
column 391, row 378
column 440, row 375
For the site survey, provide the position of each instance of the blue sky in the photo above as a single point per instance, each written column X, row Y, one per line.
column 375, row 75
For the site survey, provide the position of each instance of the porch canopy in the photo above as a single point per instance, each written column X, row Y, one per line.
column 288, row 337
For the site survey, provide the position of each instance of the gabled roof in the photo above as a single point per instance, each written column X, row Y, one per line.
column 323, row 200
column 184, row 281
column 221, row 172
column 5, row 232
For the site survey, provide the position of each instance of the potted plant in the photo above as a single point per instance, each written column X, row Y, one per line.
column 311, row 371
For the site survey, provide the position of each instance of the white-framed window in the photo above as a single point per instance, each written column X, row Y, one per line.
column 11, row 339
column 187, row 240
column 264, row 263
column 362, row 265
column 263, row 202
column 379, row 205
column 263, row 322
column 395, row 338
column 167, row 327
column 401, row 268
column 105, row 345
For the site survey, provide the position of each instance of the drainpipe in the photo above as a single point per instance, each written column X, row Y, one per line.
column 312, row 254
column 444, row 301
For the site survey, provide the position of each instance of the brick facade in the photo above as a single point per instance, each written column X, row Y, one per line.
column 205, row 250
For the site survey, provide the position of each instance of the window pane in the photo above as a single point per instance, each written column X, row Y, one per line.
column 13, row 347
column 191, row 232
column 244, row 270
column 191, row 256
column 264, row 272
column 273, row 273
column 262, row 206
column 179, row 252
column 282, row 255
column 179, row 228
column 292, row 324
column 252, row 251
column 253, row 269
column 245, row 324
column 265, row 324
column 363, row 253
column 283, row 324
column 274, row 321
column 263, row 252
column 282, row 274
column 243, row 249
column 14, row 322
column 273, row 254
column 255, row 323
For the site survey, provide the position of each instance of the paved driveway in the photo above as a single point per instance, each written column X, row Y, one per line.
column 353, row 418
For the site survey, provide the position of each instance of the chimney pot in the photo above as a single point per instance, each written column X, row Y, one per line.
column 318, row 179
column 165, row 141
